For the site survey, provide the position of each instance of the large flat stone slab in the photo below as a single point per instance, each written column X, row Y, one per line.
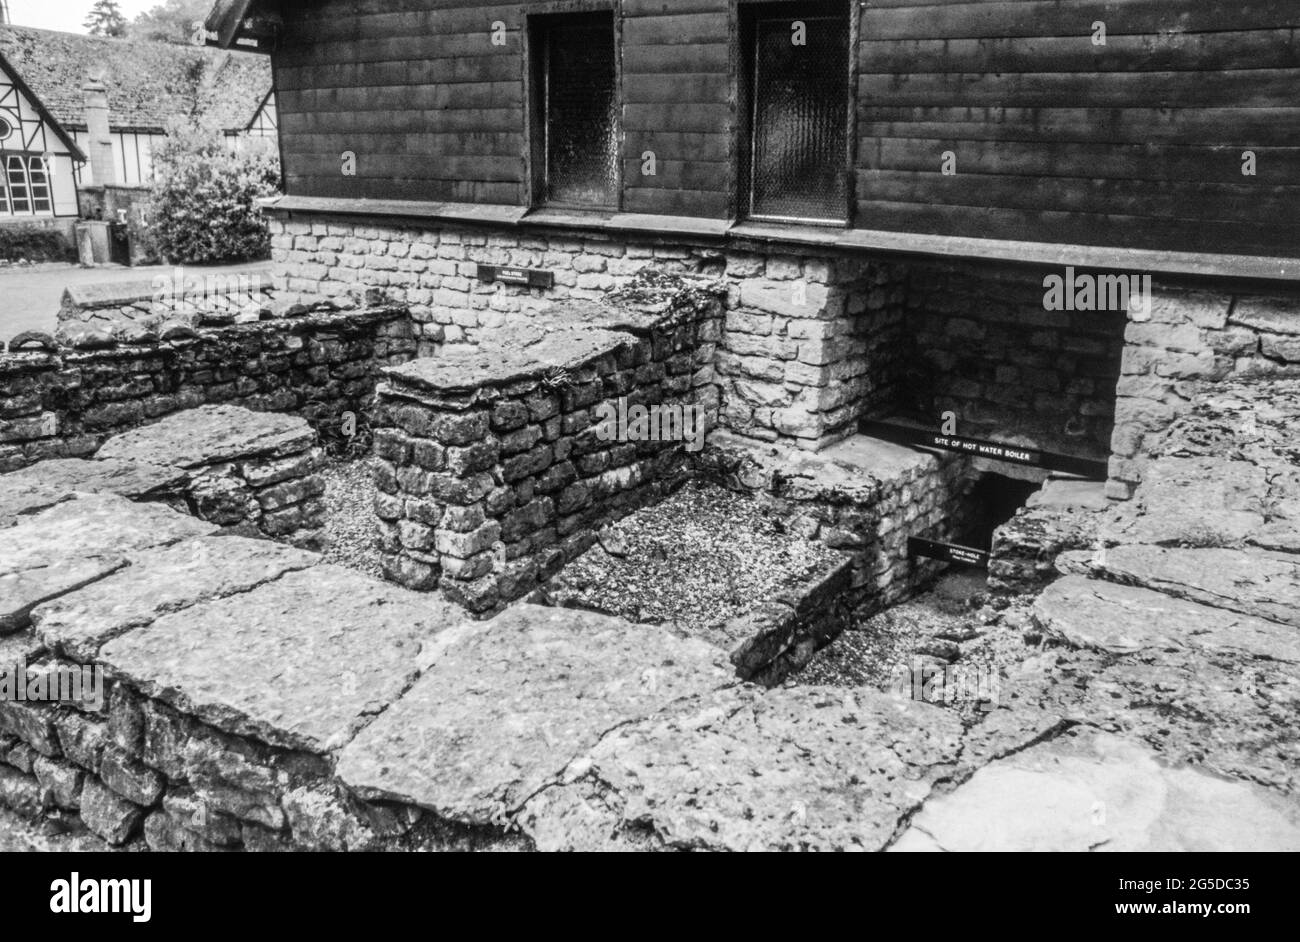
column 160, row 581
column 1096, row 791
column 528, row 353
column 92, row 525
column 211, row 435
column 800, row 768
column 1253, row 582
column 510, row 702
column 301, row 662
column 1120, row 619
column 1203, row 501
column 22, row 498
column 21, row 592
column 108, row 476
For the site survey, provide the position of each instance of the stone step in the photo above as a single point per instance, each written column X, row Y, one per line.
column 1096, row 791
column 300, row 662
column 1121, row 619
column 211, row 435
column 1251, row 581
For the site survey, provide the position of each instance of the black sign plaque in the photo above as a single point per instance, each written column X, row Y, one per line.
column 529, row 278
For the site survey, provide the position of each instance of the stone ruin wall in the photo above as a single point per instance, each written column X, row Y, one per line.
column 1193, row 337
column 808, row 343
column 491, row 479
column 65, row 402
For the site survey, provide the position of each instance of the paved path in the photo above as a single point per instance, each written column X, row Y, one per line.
column 29, row 298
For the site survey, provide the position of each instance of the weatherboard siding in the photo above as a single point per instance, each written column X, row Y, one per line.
column 1137, row 143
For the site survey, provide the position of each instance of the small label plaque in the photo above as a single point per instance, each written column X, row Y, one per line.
column 947, row 552
column 529, row 278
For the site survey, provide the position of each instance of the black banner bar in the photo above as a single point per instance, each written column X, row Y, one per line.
column 947, row 552
column 979, row 448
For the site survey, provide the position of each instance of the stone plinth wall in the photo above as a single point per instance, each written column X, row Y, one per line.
column 809, row 344
column 245, row 471
column 984, row 347
column 861, row 496
column 318, row 363
column 496, row 465
column 1192, row 338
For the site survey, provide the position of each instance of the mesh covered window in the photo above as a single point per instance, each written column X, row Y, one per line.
column 580, row 111
column 799, row 123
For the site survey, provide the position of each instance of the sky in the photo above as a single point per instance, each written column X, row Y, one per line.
column 66, row 15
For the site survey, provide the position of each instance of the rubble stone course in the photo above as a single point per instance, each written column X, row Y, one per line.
column 318, row 360
column 492, row 469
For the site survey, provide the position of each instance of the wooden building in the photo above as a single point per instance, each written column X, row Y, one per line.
column 1171, row 126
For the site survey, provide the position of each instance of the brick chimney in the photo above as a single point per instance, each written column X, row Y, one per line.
column 100, row 140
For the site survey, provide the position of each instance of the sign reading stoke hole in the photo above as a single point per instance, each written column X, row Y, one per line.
column 947, row 552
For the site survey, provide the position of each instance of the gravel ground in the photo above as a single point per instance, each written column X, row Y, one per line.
column 349, row 516
column 953, row 625
column 696, row 559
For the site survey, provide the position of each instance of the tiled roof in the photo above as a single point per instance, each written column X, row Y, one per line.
column 149, row 83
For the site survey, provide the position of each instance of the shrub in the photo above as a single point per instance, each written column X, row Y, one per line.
column 203, row 203
column 35, row 244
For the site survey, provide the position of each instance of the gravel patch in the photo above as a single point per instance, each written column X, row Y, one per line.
column 694, row 560
column 350, row 516
column 954, row 625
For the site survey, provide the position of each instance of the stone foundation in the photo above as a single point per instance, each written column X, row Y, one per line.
column 1193, row 338
column 807, row 346
column 862, row 496
column 495, row 464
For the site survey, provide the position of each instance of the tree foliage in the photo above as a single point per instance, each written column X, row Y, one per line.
column 105, row 19
column 172, row 21
column 203, row 207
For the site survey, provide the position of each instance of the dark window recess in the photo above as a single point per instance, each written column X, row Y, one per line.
column 799, row 95
column 579, row 108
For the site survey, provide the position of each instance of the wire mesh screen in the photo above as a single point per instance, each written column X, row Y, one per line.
column 581, row 114
column 800, row 120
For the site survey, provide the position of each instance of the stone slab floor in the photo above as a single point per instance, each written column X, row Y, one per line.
column 1156, row 713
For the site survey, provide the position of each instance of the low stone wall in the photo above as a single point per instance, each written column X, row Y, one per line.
column 317, row 362
column 862, row 496
column 497, row 464
column 1065, row 515
column 143, row 311
column 248, row 472
column 1193, row 337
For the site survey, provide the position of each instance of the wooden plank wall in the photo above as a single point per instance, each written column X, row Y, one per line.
column 1135, row 143
column 434, row 111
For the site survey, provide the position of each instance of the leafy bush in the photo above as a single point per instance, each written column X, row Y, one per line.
column 203, row 205
column 35, row 244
